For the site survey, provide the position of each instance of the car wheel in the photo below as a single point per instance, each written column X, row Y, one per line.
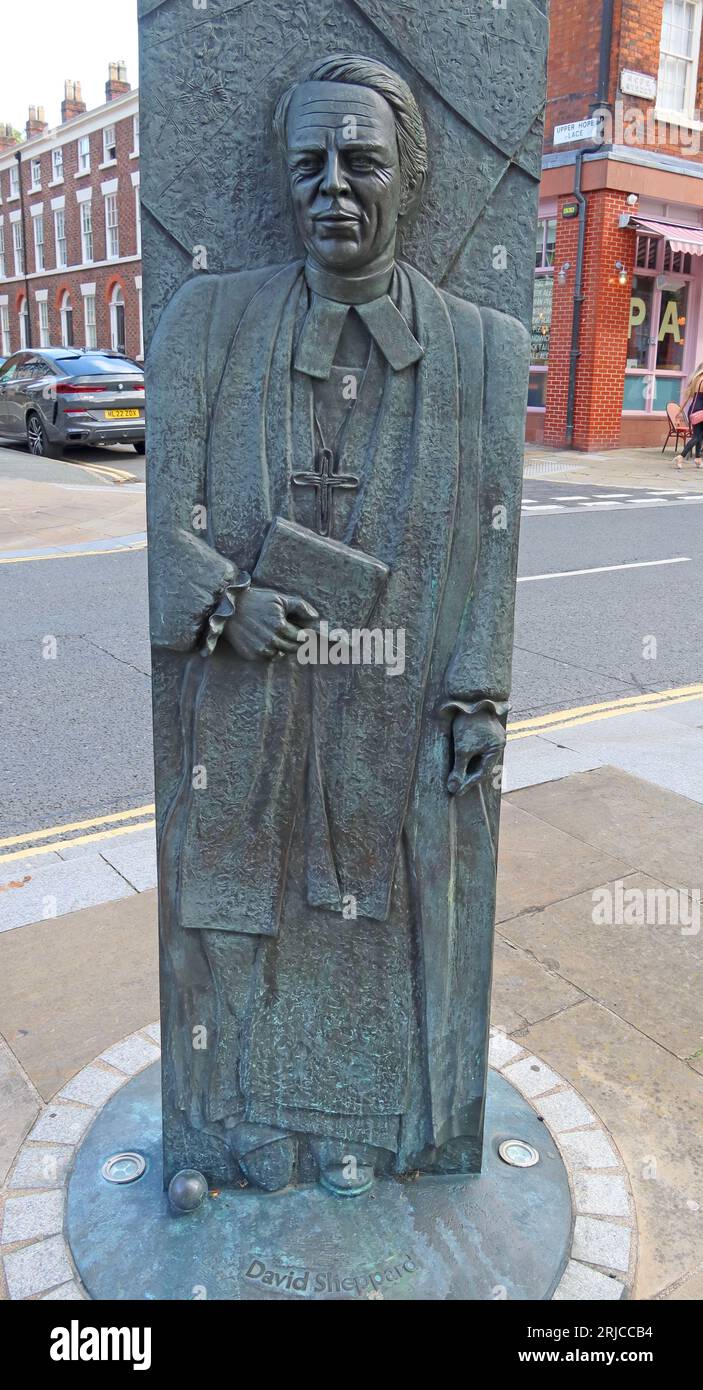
column 38, row 440
column 139, row 447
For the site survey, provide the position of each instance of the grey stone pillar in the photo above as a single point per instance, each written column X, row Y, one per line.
column 265, row 859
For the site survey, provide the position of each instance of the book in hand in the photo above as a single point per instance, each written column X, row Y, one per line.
column 342, row 583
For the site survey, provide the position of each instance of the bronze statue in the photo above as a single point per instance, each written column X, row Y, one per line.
column 328, row 831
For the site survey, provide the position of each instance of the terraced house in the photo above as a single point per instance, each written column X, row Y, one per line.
column 618, row 317
column 70, row 238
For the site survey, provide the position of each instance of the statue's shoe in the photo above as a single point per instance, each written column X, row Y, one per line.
column 335, row 1178
column 271, row 1166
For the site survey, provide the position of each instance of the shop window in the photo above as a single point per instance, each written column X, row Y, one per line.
column 680, row 262
column 671, row 336
column 640, row 322
column 546, row 241
column 646, row 252
column 656, row 347
column 542, row 311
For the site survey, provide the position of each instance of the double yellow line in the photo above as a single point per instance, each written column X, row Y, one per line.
column 119, row 823
column 69, row 554
column 115, row 475
column 57, row 837
column 607, row 709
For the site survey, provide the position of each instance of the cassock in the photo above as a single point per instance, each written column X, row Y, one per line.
column 326, row 907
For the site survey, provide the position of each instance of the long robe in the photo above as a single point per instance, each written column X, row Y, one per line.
column 285, row 792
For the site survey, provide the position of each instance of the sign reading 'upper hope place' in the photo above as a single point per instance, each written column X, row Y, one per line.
column 589, row 129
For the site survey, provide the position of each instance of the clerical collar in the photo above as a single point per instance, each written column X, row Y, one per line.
column 333, row 298
column 346, row 290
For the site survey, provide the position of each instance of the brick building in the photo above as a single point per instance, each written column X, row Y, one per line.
column 618, row 312
column 70, row 236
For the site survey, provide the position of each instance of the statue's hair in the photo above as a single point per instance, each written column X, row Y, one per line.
column 367, row 72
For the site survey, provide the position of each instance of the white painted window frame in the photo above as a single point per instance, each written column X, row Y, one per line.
column 688, row 112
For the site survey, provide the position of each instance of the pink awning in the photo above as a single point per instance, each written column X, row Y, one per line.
column 679, row 237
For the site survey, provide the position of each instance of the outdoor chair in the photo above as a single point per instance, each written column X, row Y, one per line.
column 678, row 426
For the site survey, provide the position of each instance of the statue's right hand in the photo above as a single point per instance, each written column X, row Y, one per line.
column 262, row 628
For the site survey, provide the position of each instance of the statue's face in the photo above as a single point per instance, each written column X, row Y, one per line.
column 344, row 172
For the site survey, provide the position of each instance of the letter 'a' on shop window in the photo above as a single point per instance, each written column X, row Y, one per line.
column 657, row 326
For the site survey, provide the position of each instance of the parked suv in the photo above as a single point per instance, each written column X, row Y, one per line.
column 56, row 397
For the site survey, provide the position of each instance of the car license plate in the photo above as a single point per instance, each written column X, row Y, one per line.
column 122, row 414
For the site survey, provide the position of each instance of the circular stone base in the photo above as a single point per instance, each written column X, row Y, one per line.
column 503, row 1234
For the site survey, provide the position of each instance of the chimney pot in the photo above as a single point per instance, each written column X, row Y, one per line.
column 73, row 103
column 117, row 83
column 36, row 125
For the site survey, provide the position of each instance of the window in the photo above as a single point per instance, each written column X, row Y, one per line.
column 83, row 364
column 112, row 231
column 66, row 320
column 546, row 242
column 35, row 175
column 117, row 320
column 18, row 247
column 135, row 135
column 138, row 283
column 3, row 271
column 86, row 232
column 24, row 323
column 138, row 218
column 43, row 323
column 678, row 56
column 60, row 237
column 654, row 373
column 84, row 155
column 57, row 164
column 109, row 145
column 91, row 337
column 542, row 311
column 4, row 330
column 14, row 181
column 38, row 224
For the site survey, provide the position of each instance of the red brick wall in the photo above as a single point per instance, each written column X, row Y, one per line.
column 560, row 335
column 600, row 370
column 572, row 79
column 572, row 71
column 604, row 326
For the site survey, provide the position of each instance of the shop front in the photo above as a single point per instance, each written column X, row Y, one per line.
column 641, row 331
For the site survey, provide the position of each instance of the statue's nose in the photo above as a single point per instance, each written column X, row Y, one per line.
column 333, row 181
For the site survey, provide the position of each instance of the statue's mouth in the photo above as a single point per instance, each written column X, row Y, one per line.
column 333, row 218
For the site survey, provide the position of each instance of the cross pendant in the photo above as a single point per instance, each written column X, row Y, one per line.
column 324, row 479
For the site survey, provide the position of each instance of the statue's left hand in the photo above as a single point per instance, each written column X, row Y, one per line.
column 479, row 740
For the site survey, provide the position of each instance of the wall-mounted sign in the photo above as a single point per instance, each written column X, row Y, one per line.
column 590, row 129
column 638, row 84
column 570, row 210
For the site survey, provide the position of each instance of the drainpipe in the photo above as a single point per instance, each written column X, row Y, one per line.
column 25, row 254
column 575, row 350
column 606, row 45
column 606, row 42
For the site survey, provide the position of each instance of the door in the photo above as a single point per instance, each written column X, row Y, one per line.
column 16, row 397
column 7, row 372
column 9, row 377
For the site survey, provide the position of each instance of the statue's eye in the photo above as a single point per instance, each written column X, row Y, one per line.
column 361, row 164
column 309, row 164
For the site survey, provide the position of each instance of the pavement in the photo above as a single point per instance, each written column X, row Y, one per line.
column 613, row 467
column 598, row 957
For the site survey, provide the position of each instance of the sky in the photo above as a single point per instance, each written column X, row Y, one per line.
column 46, row 41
